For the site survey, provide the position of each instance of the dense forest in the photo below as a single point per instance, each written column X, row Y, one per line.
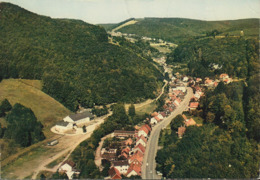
column 209, row 56
column 226, row 146
column 177, row 30
column 73, row 59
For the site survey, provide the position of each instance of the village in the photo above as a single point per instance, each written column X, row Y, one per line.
column 125, row 150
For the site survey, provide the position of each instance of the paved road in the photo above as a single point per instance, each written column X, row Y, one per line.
column 149, row 172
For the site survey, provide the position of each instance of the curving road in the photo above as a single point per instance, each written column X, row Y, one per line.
column 148, row 171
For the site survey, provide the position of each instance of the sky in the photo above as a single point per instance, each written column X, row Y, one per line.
column 114, row 11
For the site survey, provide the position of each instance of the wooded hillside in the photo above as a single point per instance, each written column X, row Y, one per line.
column 73, row 59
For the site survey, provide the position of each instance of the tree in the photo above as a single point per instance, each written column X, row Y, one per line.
column 6, row 106
column 177, row 122
column 131, row 110
column 23, row 126
column 42, row 177
column 84, row 128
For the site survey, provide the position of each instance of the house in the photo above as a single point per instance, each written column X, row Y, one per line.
column 141, row 140
column 163, row 114
column 79, row 118
column 154, row 114
column 153, row 121
column 120, row 133
column 190, row 122
column 63, row 126
column 160, row 116
column 184, row 117
column 137, row 156
column 185, row 79
column 140, row 148
column 181, row 131
column 114, row 173
column 134, row 170
column 208, row 82
column 121, row 166
column 198, row 80
column 109, row 155
column 193, row 105
column 227, row 81
column 144, row 130
column 223, row 76
column 128, row 142
column 68, row 167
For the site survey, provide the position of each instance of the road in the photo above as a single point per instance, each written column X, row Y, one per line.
column 30, row 164
column 149, row 172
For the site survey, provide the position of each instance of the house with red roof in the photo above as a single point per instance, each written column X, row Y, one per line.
column 143, row 131
column 223, row 76
column 193, row 105
column 140, row 148
column 114, row 173
column 190, row 122
column 137, row 156
column 134, row 170
column 122, row 166
column 128, row 142
column 181, row 131
column 141, row 140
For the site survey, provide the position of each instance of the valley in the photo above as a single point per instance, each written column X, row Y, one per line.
column 145, row 98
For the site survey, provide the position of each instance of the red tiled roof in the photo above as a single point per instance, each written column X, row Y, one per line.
column 127, row 150
column 194, row 104
column 170, row 109
column 148, row 127
column 223, row 75
column 134, row 167
column 114, row 173
column 181, row 131
column 184, row 117
column 157, row 118
column 143, row 138
column 140, row 147
column 163, row 114
column 154, row 114
column 129, row 141
column 138, row 156
column 208, row 81
column 190, row 122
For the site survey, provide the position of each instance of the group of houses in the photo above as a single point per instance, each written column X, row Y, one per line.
column 128, row 161
column 72, row 121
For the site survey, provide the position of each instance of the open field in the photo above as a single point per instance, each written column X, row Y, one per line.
column 28, row 93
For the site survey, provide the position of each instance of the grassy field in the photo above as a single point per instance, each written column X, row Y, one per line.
column 29, row 94
column 149, row 108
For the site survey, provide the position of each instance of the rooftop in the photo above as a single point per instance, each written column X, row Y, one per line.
column 76, row 117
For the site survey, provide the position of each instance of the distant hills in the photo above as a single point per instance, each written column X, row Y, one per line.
column 179, row 29
column 73, row 59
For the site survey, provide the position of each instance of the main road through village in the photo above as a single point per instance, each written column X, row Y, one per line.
column 149, row 164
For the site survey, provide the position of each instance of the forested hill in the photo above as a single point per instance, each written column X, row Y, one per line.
column 179, row 29
column 73, row 59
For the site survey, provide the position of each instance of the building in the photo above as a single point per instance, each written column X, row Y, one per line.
column 121, row 166
column 63, row 126
column 114, row 173
column 134, row 170
column 68, row 167
column 140, row 148
column 141, row 140
column 109, row 154
column 79, row 118
column 143, row 131
column 181, row 131
column 137, row 156
column 190, row 122
column 119, row 133
column 193, row 105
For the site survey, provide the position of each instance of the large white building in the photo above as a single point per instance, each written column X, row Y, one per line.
column 79, row 118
